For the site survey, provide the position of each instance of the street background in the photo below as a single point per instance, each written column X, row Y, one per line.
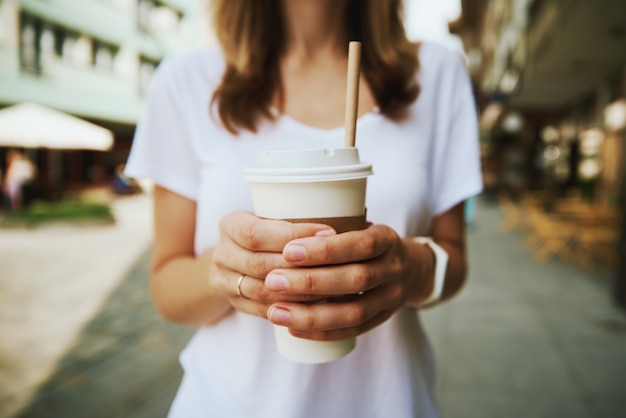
column 522, row 340
column 539, row 330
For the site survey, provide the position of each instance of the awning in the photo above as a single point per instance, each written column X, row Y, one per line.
column 31, row 125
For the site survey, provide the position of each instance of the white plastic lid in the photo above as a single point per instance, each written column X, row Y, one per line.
column 307, row 165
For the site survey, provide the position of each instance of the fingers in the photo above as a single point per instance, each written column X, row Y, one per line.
column 328, row 278
column 341, row 248
column 255, row 234
column 243, row 303
column 372, row 258
column 231, row 257
column 249, row 294
column 253, row 246
column 298, row 275
column 343, row 333
column 336, row 320
column 332, row 280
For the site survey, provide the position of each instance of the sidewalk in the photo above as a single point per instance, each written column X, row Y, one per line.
column 528, row 340
column 522, row 340
column 53, row 280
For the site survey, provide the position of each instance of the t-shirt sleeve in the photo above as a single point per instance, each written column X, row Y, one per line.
column 162, row 148
column 455, row 154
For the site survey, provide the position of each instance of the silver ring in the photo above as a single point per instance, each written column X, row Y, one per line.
column 239, row 281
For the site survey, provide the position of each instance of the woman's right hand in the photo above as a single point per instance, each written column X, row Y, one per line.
column 253, row 247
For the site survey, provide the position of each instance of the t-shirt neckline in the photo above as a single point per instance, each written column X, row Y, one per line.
column 292, row 124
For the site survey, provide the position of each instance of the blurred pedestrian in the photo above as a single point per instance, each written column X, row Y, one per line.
column 279, row 80
column 3, row 198
column 19, row 171
column 470, row 212
column 122, row 184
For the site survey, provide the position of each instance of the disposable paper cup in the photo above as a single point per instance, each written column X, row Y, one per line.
column 322, row 185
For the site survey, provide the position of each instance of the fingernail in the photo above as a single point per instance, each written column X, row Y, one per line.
column 295, row 253
column 276, row 282
column 325, row 233
column 279, row 316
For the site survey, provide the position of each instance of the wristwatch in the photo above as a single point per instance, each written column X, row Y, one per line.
column 441, row 265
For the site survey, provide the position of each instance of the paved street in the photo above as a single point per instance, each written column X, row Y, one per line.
column 53, row 282
column 528, row 340
column 523, row 340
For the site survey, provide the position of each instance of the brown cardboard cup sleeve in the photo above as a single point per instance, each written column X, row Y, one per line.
column 339, row 224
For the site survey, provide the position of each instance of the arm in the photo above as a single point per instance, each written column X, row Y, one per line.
column 449, row 233
column 179, row 281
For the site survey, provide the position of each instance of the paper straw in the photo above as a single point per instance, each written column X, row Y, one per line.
column 352, row 92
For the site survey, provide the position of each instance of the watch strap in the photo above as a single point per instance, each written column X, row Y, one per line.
column 441, row 265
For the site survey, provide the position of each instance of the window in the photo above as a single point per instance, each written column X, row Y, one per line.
column 42, row 43
column 144, row 9
column 103, row 55
column 164, row 20
column 3, row 25
column 30, row 48
column 47, row 46
column 68, row 40
column 156, row 17
column 146, row 69
column 75, row 49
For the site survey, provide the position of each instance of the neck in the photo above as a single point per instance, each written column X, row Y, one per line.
column 314, row 27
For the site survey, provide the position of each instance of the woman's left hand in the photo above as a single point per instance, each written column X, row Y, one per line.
column 373, row 272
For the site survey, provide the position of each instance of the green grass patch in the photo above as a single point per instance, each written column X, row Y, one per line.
column 72, row 212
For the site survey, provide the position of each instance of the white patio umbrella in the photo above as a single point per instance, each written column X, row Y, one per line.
column 31, row 125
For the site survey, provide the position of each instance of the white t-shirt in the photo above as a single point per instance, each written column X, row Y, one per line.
column 423, row 166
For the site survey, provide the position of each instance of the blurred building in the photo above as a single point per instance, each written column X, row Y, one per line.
column 549, row 75
column 550, row 80
column 92, row 59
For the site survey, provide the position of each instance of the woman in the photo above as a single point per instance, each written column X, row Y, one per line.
column 279, row 80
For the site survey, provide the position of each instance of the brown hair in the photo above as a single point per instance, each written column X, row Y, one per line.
column 251, row 35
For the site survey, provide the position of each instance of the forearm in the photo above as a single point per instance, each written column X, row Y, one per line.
column 184, row 290
column 448, row 232
column 423, row 258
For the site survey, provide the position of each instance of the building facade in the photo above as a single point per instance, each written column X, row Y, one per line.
column 92, row 59
column 546, row 73
column 550, row 76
